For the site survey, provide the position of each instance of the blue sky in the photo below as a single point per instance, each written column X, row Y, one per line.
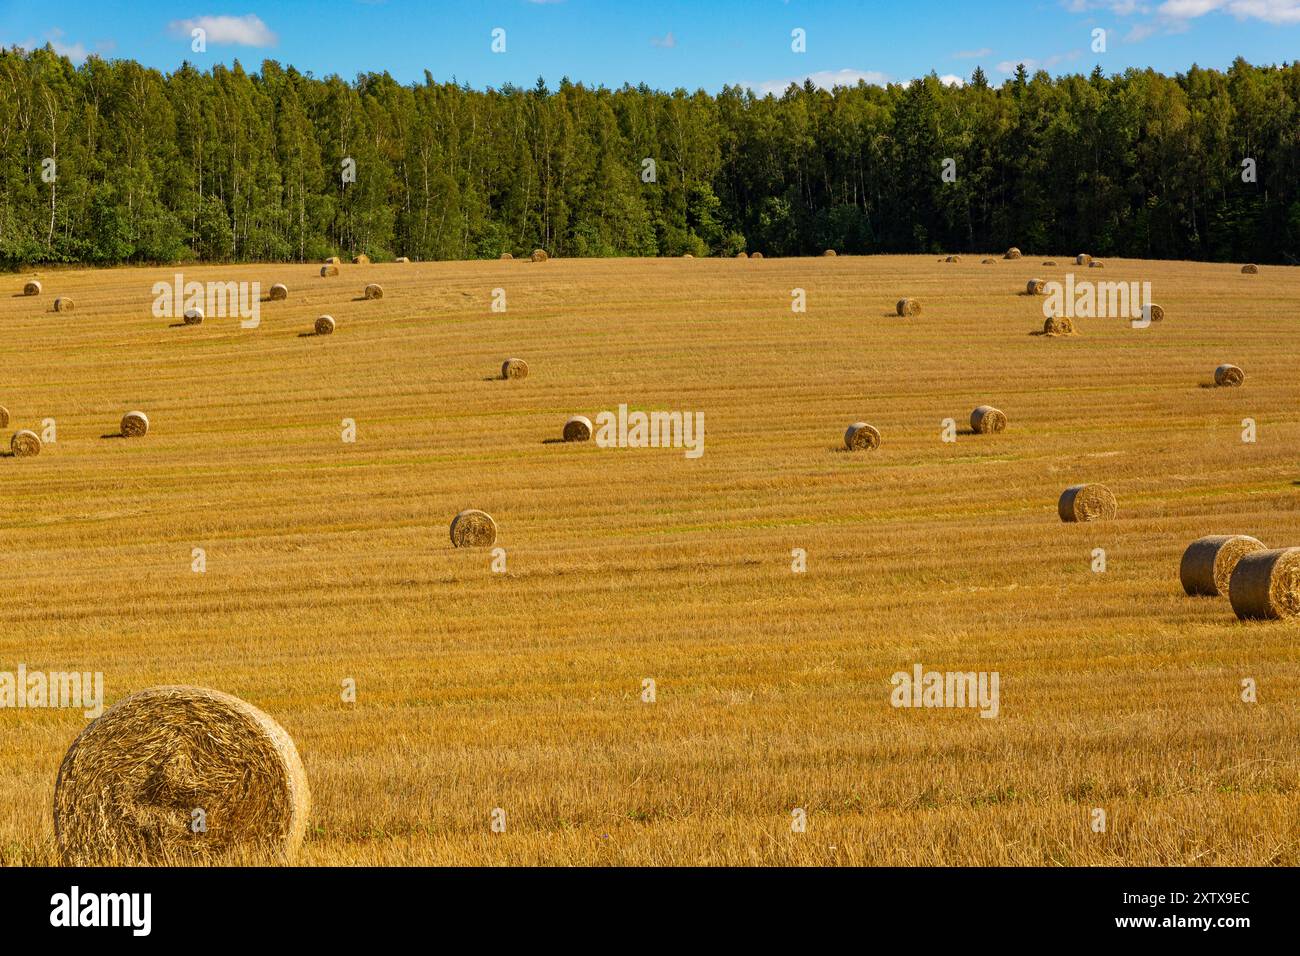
column 667, row 43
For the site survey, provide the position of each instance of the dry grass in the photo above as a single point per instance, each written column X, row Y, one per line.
column 475, row 690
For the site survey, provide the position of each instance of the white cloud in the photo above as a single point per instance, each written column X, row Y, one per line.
column 825, row 79
column 666, row 42
column 952, row 79
column 76, row 52
column 248, row 30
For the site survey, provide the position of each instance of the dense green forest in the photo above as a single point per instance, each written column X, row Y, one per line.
column 112, row 162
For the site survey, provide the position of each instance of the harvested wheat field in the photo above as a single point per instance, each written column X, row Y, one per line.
column 526, row 689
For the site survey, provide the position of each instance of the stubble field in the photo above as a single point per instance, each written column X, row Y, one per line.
column 328, row 560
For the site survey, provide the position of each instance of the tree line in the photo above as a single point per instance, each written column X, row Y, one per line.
column 111, row 162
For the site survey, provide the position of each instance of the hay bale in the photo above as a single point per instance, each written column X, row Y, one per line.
column 333, row 261
column 988, row 262
column 1229, row 376
column 4, row 417
column 326, row 271
column 1035, row 286
column 33, row 287
column 1208, row 562
column 742, row 255
column 324, row 325
column 756, row 255
column 402, row 259
column 25, row 443
column 1086, row 503
column 193, row 317
column 1153, row 313
column 953, row 259
column 1250, row 270
column 539, row 255
column 279, row 292
column 862, row 437
column 361, row 259
column 1012, row 253
column 130, row 781
column 135, row 425
column 1082, row 259
column 1058, row 325
column 1049, row 262
column 987, row 419
column 829, row 252
column 687, row 255
column 1265, row 585
column 506, row 255
column 473, row 529
column 578, row 428
column 1096, row 264
column 374, row 291
column 908, row 307
column 514, row 368
column 63, row 304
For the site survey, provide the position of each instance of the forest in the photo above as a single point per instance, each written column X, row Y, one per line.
column 112, row 162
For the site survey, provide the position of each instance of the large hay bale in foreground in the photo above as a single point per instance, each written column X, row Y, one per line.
column 1086, row 503
column 1250, row 270
column 64, row 304
column 135, row 424
column 4, row 417
column 908, row 307
column 1012, row 253
column 577, row 428
column 324, row 325
column 32, row 287
column 374, row 291
column 862, row 437
column 986, row 419
column 1082, row 259
column 1035, row 286
column 1058, row 325
column 1208, row 562
column 473, row 529
column 361, row 259
column 326, row 271
column 539, row 255
column 279, row 292
column 193, row 317
column 130, row 783
column 25, row 443
column 1229, row 376
column 1265, row 585
column 514, row 368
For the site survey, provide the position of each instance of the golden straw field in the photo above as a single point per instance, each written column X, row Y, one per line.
column 522, row 690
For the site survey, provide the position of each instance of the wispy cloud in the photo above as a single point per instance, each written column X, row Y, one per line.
column 76, row 52
column 666, row 42
column 825, row 79
column 1176, row 16
column 248, row 30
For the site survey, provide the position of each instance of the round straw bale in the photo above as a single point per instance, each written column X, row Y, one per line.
column 25, row 443
column 1208, row 562
column 1035, row 286
column 506, row 255
column 1096, row 264
column 862, row 437
column 577, row 428
column 1049, row 262
column 329, row 271
column 986, row 419
column 514, row 368
column 63, row 304
column 4, row 417
column 374, row 291
column 130, row 782
column 333, row 261
column 361, row 259
column 135, row 424
column 473, row 529
column 539, row 255
column 1250, row 270
column 1153, row 313
column 1266, row 585
column 829, row 252
column 193, row 317
column 756, row 255
column 279, row 291
column 1086, row 503
column 988, row 262
column 1082, row 259
column 742, row 255
column 1012, row 253
column 1058, row 325
column 32, row 288
column 908, row 307
column 687, row 255
column 953, row 259
column 1229, row 376
column 324, row 325
column 402, row 259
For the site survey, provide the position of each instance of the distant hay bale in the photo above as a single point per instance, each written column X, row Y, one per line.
column 1035, row 286
column 756, row 255
column 514, row 368
column 506, row 255
column 324, row 325
column 63, row 304
column 328, row 271
column 32, row 288
column 862, row 437
column 577, row 428
column 1096, row 264
column 473, row 529
column 135, row 424
column 4, row 417
column 402, row 259
column 539, row 255
column 129, row 784
column 829, row 252
column 908, row 307
column 279, row 292
column 1265, row 585
column 986, row 419
column 1086, row 503
column 361, row 259
column 25, row 443
column 988, row 262
column 374, row 291
column 193, row 317
column 1082, row 259
column 1250, row 270
column 1229, row 376
column 1012, row 253
column 1153, row 313
column 333, row 261
column 742, row 255
column 1049, row 262
column 1208, row 562
column 953, row 259
column 687, row 255
column 1058, row 325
